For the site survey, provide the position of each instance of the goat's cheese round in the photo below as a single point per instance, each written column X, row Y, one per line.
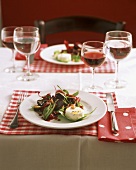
column 74, row 113
column 65, row 57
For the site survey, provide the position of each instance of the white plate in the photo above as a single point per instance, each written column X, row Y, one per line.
column 90, row 102
column 47, row 55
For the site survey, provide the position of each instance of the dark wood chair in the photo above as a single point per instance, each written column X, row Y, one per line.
column 76, row 23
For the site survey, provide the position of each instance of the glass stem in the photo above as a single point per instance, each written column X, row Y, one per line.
column 93, row 70
column 28, row 73
column 13, row 58
column 116, row 72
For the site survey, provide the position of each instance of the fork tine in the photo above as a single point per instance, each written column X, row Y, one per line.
column 19, row 98
column 22, row 96
column 25, row 95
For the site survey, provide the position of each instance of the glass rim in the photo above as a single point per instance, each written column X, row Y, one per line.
column 119, row 31
column 23, row 28
column 93, row 41
column 91, row 46
column 8, row 28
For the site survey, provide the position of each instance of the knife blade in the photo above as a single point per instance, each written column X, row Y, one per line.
column 111, row 110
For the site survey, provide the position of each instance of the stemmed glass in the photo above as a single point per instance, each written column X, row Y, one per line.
column 7, row 41
column 93, row 56
column 118, row 45
column 27, row 42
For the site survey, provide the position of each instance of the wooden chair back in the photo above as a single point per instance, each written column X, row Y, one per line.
column 76, row 23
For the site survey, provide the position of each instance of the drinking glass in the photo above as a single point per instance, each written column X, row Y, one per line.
column 93, row 56
column 7, row 41
column 118, row 45
column 27, row 42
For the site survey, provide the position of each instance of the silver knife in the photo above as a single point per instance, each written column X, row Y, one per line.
column 111, row 109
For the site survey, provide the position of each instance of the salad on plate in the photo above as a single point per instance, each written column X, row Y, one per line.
column 62, row 103
column 71, row 53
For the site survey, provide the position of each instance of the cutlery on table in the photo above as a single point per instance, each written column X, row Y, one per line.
column 14, row 122
column 111, row 109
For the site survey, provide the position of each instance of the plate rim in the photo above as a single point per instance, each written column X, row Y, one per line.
column 50, row 60
column 53, row 125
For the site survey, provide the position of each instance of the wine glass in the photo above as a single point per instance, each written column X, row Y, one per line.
column 7, row 41
column 27, row 42
column 93, row 56
column 118, row 45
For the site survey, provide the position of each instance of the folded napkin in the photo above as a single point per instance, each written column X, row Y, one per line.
column 43, row 66
column 126, row 118
column 36, row 55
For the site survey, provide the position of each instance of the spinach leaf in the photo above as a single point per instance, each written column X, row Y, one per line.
column 48, row 110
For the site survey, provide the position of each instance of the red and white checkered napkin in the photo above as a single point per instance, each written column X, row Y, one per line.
column 44, row 66
column 39, row 65
column 27, row 128
column 126, row 118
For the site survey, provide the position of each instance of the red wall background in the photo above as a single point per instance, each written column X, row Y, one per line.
column 24, row 12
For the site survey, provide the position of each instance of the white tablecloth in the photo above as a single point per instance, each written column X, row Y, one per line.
column 58, row 152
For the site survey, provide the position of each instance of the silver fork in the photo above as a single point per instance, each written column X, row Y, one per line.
column 14, row 122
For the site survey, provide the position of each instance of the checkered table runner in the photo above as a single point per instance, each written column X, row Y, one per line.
column 40, row 65
column 43, row 66
column 27, row 128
